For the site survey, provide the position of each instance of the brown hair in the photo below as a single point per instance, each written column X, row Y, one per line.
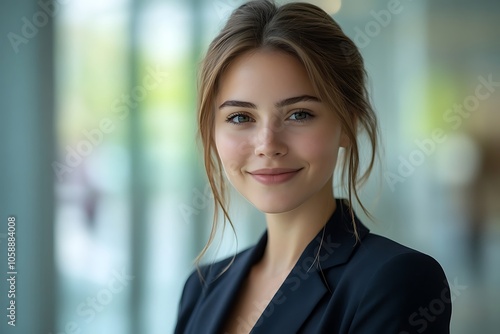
column 332, row 61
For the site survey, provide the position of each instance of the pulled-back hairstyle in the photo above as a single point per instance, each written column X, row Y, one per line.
column 333, row 64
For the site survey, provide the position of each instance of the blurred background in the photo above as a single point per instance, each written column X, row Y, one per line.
column 100, row 165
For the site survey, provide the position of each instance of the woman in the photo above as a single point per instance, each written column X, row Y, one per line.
column 282, row 89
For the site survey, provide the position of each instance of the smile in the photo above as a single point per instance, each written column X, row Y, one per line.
column 271, row 176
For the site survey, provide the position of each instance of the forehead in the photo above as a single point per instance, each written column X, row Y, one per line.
column 264, row 75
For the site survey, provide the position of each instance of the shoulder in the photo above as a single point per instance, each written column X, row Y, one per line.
column 404, row 288
column 379, row 260
column 376, row 254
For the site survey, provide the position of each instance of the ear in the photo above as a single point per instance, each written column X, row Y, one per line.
column 344, row 139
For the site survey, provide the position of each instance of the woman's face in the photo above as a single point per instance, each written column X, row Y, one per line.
column 277, row 141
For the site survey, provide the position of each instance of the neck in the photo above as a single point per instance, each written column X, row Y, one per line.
column 289, row 233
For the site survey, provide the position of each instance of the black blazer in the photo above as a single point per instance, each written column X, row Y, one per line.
column 374, row 286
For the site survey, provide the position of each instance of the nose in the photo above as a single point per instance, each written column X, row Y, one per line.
column 269, row 143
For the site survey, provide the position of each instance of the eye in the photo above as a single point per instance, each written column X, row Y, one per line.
column 238, row 118
column 300, row 116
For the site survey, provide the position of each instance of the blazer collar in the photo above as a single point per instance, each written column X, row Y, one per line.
column 304, row 286
column 337, row 239
column 222, row 289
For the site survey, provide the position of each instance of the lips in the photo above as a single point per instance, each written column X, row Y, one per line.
column 270, row 176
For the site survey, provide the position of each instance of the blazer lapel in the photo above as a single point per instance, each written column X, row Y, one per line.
column 219, row 296
column 305, row 286
column 299, row 294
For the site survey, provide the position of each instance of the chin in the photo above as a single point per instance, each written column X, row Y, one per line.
column 274, row 206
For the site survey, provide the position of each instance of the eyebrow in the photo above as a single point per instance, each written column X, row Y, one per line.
column 280, row 104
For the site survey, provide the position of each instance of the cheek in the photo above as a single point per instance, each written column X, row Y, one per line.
column 232, row 149
column 320, row 147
